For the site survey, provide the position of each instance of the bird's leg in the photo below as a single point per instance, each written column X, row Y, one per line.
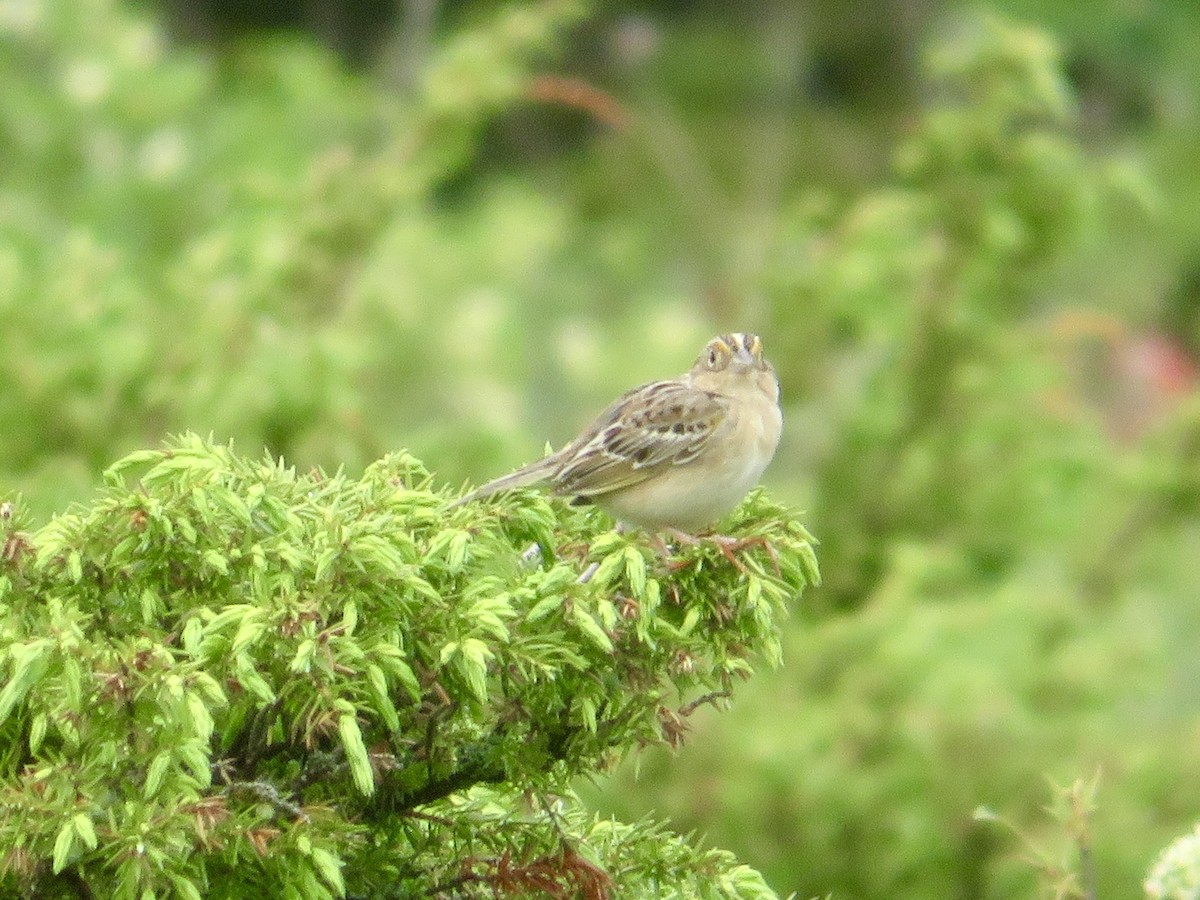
column 661, row 547
column 683, row 537
column 665, row 551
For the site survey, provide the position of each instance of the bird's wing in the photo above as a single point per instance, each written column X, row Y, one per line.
column 661, row 424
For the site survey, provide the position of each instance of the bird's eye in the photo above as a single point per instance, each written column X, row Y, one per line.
column 712, row 356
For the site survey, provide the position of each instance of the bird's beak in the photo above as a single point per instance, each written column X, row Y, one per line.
column 743, row 357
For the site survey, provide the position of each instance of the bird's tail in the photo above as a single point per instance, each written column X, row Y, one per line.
column 526, row 475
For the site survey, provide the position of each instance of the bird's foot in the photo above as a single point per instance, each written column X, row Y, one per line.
column 729, row 547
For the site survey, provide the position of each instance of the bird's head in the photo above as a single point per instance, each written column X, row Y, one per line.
column 737, row 356
column 736, row 352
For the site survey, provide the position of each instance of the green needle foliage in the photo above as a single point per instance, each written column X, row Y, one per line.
column 225, row 678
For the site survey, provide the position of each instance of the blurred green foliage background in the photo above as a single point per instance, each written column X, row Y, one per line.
column 969, row 235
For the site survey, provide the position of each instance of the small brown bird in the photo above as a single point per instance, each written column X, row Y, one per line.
column 671, row 455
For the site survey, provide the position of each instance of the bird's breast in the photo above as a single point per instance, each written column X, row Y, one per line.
column 698, row 493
